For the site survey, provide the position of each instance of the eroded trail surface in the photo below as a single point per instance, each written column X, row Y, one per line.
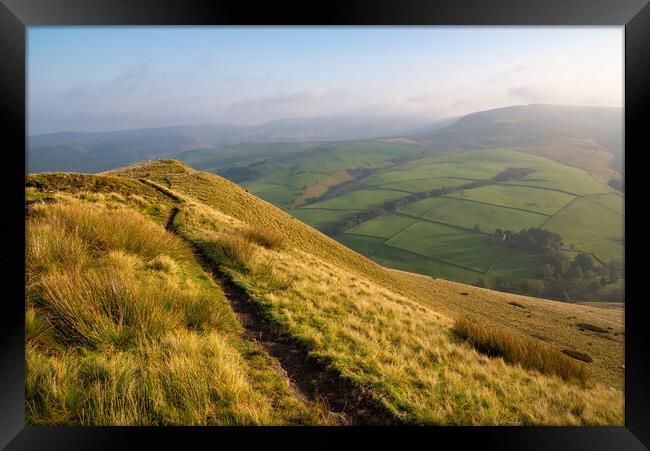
column 310, row 380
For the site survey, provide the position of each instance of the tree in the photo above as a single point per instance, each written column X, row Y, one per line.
column 575, row 272
column 548, row 271
column 584, row 261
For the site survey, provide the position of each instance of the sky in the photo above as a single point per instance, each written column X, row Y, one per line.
column 110, row 78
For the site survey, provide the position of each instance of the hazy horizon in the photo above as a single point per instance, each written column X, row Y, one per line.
column 84, row 79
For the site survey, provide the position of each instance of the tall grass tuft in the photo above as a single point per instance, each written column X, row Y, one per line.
column 267, row 238
column 232, row 251
column 106, row 307
column 266, row 276
column 518, row 349
column 102, row 230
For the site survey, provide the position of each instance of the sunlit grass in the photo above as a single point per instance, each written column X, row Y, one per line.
column 124, row 328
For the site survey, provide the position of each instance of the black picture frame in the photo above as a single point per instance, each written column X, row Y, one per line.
column 16, row 15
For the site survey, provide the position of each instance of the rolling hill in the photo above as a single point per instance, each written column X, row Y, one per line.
column 158, row 294
column 100, row 151
column 589, row 138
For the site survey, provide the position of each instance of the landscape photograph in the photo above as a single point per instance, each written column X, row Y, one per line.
column 325, row 226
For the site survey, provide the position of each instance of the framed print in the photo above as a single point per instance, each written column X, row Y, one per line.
column 253, row 221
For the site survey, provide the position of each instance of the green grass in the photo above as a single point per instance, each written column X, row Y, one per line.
column 532, row 199
column 289, row 171
column 600, row 230
column 384, row 226
column 485, row 164
column 421, row 206
column 467, row 249
column 394, row 257
column 274, row 193
column 320, row 219
column 611, row 292
column 362, row 199
column 331, row 157
column 467, row 213
column 419, row 185
column 612, row 201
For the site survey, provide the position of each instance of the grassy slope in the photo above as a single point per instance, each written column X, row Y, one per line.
column 390, row 332
column 123, row 326
column 318, row 317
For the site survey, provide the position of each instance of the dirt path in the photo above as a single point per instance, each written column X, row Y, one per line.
column 310, row 380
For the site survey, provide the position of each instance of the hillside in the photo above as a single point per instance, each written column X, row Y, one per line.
column 297, row 327
column 589, row 138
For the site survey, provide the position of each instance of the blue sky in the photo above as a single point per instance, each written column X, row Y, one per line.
column 105, row 78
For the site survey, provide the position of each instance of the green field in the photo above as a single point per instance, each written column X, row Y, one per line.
column 468, row 250
column 385, row 226
column 442, row 242
column 285, row 170
column 612, row 201
column 421, row 185
column 422, row 206
column 274, row 193
column 320, row 218
column 359, row 199
column 591, row 228
column 397, row 258
column 531, row 199
column 466, row 214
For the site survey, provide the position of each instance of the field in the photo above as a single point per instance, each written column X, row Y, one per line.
column 530, row 199
column 321, row 218
column 316, row 167
column 552, row 196
column 466, row 214
column 612, row 201
column 464, row 249
column 385, row 334
column 358, row 199
column 384, row 226
column 600, row 229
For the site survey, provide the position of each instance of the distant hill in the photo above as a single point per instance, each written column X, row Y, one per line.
column 581, row 136
column 100, row 151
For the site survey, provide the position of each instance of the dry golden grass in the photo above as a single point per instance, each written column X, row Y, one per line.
column 270, row 239
column 233, row 251
column 399, row 351
column 124, row 328
column 553, row 322
column 519, row 349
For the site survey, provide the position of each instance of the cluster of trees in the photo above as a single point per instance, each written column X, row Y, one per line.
column 512, row 174
column 536, row 240
column 563, row 279
column 560, row 277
